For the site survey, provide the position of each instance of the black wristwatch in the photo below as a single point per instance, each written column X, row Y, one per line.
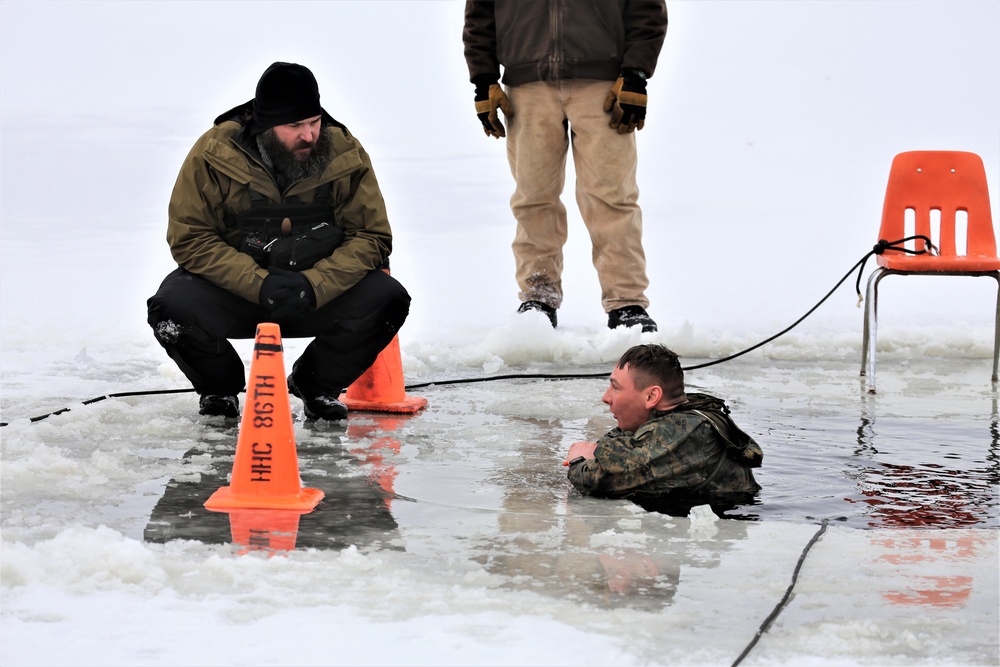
column 576, row 460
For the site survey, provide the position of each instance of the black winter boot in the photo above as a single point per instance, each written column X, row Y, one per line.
column 549, row 311
column 326, row 407
column 630, row 316
column 216, row 405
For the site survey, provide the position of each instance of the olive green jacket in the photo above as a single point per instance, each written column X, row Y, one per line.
column 214, row 185
column 694, row 448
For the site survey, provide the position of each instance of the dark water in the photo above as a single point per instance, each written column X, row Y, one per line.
column 923, row 453
column 883, row 472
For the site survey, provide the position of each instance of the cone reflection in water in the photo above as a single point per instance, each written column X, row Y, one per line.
column 376, row 452
column 381, row 387
column 266, row 468
column 264, row 530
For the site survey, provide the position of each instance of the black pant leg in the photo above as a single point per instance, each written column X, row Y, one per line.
column 349, row 332
column 193, row 319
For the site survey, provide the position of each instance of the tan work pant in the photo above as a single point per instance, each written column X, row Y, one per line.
column 548, row 117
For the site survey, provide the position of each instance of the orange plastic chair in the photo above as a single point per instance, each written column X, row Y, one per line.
column 931, row 184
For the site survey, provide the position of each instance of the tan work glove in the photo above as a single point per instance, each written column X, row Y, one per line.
column 488, row 100
column 627, row 103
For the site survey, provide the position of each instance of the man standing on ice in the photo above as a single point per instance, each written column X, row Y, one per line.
column 276, row 216
column 575, row 74
column 668, row 442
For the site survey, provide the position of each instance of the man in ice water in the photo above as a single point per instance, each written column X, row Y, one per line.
column 276, row 216
column 668, row 442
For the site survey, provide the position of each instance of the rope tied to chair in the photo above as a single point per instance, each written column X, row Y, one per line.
column 883, row 245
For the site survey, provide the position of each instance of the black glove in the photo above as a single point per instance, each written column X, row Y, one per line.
column 627, row 102
column 489, row 97
column 287, row 294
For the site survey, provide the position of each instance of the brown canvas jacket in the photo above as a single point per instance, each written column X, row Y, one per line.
column 212, row 186
column 551, row 40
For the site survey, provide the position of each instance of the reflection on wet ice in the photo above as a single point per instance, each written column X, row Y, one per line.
column 355, row 511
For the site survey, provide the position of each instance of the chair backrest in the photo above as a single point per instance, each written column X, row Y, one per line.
column 938, row 184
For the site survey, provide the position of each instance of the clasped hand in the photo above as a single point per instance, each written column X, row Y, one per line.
column 584, row 449
column 286, row 294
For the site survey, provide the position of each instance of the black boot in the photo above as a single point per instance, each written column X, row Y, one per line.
column 216, row 405
column 549, row 311
column 316, row 407
column 630, row 316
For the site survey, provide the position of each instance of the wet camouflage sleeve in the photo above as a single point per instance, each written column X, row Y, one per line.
column 674, row 452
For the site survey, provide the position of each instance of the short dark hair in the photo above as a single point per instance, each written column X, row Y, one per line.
column 654, row 364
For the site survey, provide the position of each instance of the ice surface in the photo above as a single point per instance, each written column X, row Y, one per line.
column 452, row 537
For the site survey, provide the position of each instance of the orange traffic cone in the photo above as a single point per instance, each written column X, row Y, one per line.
column 380, row 388
column 266, row 467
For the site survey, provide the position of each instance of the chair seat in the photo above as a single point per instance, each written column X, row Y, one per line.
column 931, row 264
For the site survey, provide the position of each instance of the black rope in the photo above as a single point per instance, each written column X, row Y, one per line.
column 513, row 376
column 883, row 245
column 98, row 399
column 784, row 599
column 878, row 249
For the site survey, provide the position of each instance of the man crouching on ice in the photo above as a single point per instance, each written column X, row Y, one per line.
column 667, row 442
column 276, row 216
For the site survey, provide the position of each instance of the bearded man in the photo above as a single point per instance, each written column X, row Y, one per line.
column 276, row 216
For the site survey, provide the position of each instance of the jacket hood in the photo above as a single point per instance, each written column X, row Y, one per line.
column 741, row 447
column 243, row 114
column 703, row 402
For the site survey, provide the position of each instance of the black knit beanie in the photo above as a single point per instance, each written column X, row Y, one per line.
column 286, row 93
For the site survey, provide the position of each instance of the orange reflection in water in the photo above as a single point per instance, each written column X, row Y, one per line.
column 383, row 473
column 915, row 497
column 930, row 553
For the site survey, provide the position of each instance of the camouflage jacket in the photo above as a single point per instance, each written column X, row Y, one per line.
column 694, row 448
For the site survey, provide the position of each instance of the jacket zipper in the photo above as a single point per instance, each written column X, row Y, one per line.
column 555, row 23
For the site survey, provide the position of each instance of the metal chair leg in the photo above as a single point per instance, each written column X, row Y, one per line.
column 996, row 330
column 870, row 335
column 864, row 334
column 871, row 328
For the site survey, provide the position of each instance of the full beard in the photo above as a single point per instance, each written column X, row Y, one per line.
column 289, row 168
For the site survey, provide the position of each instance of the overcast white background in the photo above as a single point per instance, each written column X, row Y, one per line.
column 763, row 163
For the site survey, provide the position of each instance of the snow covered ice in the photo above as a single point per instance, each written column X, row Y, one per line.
column 762, row 167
